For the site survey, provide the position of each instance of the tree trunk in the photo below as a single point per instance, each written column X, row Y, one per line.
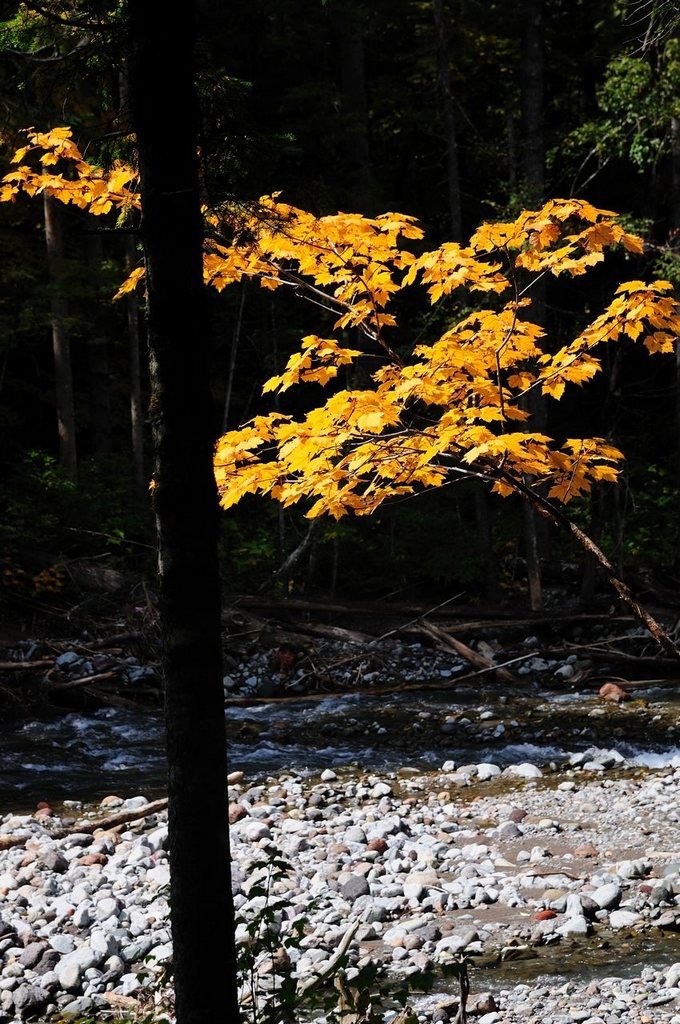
column 348, row 23
column 533, row 144
column 675, row 228
column 136, row 410
column 533, row 179
column 449, row 119
column 165, row 119
column 98, row 358
column 63, row 376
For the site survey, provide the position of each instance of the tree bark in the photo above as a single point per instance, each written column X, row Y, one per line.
column 533, row 180
column 533, row 144
column 348, row 23
column 63, row 375
column 98, row 359
column 449, row 120
column 136, row 410
column 165, row 119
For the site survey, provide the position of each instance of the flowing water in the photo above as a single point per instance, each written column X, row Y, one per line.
column 89, row 755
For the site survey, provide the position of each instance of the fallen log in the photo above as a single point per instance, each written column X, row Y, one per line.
column 351, row 636
column 633, row 660
column 72, row 684
column 26, row 666
column 477, row 660
column 89, row 827
column 484, row 618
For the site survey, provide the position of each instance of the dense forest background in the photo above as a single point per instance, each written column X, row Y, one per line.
column 455, row 112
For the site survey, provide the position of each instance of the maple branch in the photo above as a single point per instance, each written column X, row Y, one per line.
column 95, row 26
column 558, row 518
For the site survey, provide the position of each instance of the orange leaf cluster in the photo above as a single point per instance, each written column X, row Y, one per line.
column 456, row 405
column 450, row 408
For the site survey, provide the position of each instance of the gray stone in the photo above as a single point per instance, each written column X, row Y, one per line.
column 574, row 926
column 69, row 975
column 669, row 921
column 633, row 868
column 524, row 771
column 48, row 962
column 67, row 660
column 32, row 954
column 62, row 943
column 160, row 874
column 108, row 907
column 104, row 943
column 82, row 916
column 135, row 803
column 136, row 951
column 29, row 1000
column 623, row 918
column 509, row 830
column 53, row 860
column 607, row 896
column 129, row 983
column 77, row 1007
column 355, row 887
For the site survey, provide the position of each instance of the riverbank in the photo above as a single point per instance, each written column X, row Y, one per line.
column 504, row 866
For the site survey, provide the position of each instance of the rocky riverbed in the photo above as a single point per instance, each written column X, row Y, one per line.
column 506, row 866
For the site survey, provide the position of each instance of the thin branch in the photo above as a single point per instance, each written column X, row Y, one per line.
column 558, row 518
column 95, row 26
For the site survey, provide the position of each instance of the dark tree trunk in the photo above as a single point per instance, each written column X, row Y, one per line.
column 448, row 115
column 98, row 358
column 136, row 411
column 533, row 180
column 348, row 23
column 63, row 376
column 165, row 119
column 533, row 145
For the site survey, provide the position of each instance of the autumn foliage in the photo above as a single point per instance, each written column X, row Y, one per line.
column 457, row 404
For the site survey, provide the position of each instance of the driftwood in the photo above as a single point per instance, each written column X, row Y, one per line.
column 351, row 636
column 94, row 645
column 26, row 666
column 632, row 660
column 329, row 969
column 483, row 618
column 477, row 660
column 72, row 684
column 89, row 827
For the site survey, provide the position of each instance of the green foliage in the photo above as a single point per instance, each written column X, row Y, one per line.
column 44, row 509
column 651, row 531
column 271, row 994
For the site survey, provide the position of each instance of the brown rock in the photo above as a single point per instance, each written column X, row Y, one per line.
column 379, row 845
column 544, row 915
column 236, row 812
column 586, row 850
column 517, row 814
column 481, row 1003
column 613, row 693
column 112, row 799
column 92, row 858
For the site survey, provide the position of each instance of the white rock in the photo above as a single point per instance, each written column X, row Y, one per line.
column 607, row 895
column 524, row 771
column 573, row 926
column 623, row 918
